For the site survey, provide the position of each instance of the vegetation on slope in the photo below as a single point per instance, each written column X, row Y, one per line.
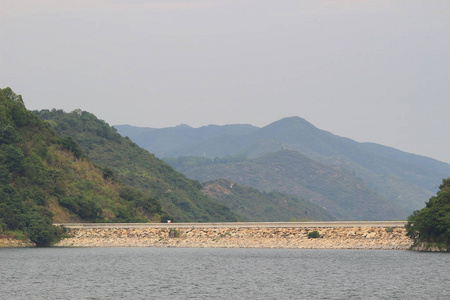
column 254, row 205
column 430, row 226
column 46, row 178
column 178, row 195
column 336, row 189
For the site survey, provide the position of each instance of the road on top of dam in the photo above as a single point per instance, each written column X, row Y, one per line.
column 240, row 224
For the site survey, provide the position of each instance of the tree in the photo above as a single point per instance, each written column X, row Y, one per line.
column 445, row 186
column 8, row 134
column 5, row 176
column 430, row 226
column 68, row 143
column 12, row 158
column 34, row 168
column 40, row 231
column 18, row 114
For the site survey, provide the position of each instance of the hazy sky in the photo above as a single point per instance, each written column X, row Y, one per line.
column 372, row 70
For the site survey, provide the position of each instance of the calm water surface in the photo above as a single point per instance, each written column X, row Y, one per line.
column 180, row 273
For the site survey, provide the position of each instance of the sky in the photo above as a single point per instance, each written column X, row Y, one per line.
column 370, row 70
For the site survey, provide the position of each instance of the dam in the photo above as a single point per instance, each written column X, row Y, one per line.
column 386, row 235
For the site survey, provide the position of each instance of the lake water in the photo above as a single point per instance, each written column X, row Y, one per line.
column 204, row 273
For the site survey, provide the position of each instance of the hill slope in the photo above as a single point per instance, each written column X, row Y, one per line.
column 178, row 195
column 45, row 178
column 337, row 190
column 254, row 205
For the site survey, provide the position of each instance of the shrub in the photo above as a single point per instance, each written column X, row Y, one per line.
column 313, row 234
column 18, row 235
column 87, row 209
column 107, row 173
column 173, row 233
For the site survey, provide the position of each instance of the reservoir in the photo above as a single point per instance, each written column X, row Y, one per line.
column 217, row 273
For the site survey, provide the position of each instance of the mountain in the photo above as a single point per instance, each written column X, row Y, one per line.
column 46, row 178
column 254, row 205
column 402, row 178
column 179, row 196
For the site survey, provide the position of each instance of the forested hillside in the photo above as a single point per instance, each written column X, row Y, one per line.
column 335, row 189
column 178, row 195
column 257, row 206
column 46, row 178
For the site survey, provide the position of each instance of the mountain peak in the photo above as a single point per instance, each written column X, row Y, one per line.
column 182, row 125
column 291, row 122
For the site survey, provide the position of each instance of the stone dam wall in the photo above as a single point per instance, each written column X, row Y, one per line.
column 387, row 238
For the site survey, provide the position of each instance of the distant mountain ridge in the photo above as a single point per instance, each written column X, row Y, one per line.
column 173, row 141
column 405, row 179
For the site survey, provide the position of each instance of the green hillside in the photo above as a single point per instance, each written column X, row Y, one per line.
column 46, row 178
column 254, row 205
column 335, row 189
column 178, row 195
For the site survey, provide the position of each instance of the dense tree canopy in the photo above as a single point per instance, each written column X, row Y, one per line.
column 430, row 226
column 22, row 207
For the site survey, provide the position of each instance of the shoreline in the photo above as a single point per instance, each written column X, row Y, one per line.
column 14, row 243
